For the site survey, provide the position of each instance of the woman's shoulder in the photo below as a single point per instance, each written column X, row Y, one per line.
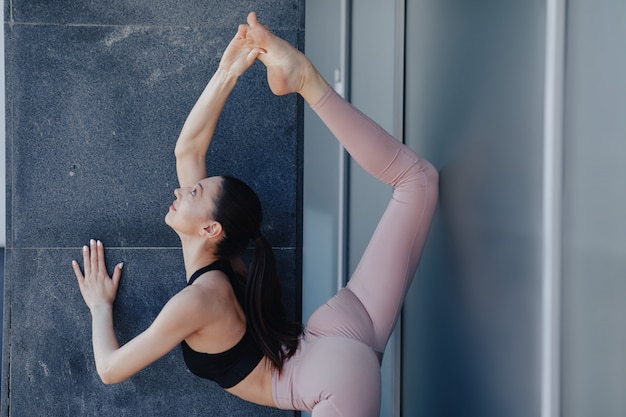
column 211, row 292
column 195, row 307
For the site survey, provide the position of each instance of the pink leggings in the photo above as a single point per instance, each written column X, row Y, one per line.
column 336, row 371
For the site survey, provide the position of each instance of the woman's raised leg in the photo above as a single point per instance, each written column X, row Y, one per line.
column 390, row 261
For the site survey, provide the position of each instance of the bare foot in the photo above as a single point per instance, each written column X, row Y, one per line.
column 288, row 70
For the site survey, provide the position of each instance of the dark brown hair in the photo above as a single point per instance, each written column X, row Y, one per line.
column 239, row 211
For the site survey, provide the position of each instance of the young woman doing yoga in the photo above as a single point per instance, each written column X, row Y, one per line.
column 232, row 327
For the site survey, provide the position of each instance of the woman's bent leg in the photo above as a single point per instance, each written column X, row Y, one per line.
column 389, row 263
column 330, row 376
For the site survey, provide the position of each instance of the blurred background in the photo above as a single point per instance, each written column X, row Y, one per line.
column 517, row 308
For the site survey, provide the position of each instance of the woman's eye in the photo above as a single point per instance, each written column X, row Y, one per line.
column 193, row 192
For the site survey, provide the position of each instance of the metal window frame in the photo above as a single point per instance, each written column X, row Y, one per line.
column 552, row 203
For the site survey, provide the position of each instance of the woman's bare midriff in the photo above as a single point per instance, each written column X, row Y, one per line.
column 257, row 387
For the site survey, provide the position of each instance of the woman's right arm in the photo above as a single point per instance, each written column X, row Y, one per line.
column 197, row 132
column 184, row 314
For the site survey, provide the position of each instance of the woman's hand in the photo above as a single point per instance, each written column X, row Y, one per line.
column 238, row 56
column 96, row 287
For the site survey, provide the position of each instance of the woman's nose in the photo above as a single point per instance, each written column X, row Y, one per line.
column 177, row 192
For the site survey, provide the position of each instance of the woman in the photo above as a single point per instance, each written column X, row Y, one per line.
column 240, row 337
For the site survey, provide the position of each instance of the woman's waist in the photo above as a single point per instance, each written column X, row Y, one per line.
column 257, row 386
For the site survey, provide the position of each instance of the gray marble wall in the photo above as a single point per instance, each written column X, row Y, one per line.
column 96, row 95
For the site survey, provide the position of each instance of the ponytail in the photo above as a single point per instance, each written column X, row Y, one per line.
column 276, row 335
column 238, row 209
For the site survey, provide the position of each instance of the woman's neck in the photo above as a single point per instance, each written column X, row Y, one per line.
column 196, row 254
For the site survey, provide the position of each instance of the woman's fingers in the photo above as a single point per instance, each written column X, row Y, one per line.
column 95, row 284
column 94, row 261
column 78, row 273
column 102, row 268
column 86, row 261
column 241, row 32
column 253, row 55
column 117, row 274
column 93, row 257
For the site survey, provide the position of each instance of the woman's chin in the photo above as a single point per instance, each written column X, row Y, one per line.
column 167, row 219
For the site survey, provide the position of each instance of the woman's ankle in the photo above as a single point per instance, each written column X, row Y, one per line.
column 314, row 86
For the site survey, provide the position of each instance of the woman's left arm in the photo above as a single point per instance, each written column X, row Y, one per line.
column 197, row 132
column 114, row 363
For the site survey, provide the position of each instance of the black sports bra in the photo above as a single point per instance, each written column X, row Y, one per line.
column 232, row 366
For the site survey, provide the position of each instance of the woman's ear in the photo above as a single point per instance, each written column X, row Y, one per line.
column 214, row 229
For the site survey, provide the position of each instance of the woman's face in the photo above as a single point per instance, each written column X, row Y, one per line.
column 191, row 212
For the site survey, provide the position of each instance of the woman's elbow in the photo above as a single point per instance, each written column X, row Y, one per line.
column 181, row 151
column 109, row 377
column 106, row 381
column 186, row 156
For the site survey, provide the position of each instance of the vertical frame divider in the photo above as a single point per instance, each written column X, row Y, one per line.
column 342, row 86
column 551, row 210
column 398, row 132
